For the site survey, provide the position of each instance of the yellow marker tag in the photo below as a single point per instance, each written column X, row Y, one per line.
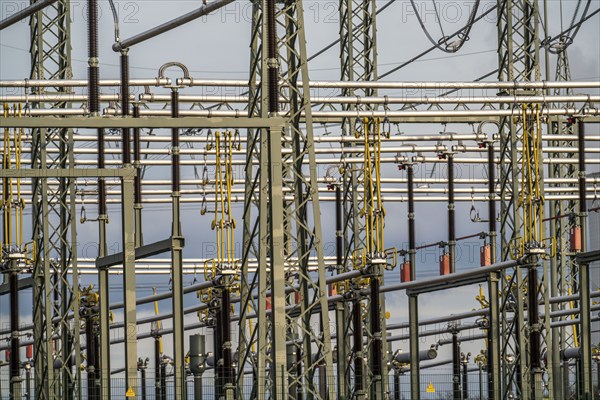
column 387, row 315
column 430, row 388
column 130, row 393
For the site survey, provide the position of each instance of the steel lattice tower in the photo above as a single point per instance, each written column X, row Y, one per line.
column 57, row 344
column 563, row 224
column 288, row 231
column 358, row 56
column 523, row 342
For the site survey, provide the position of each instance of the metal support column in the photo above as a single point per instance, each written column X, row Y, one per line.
column 103, row 275
column 93, row 391
column 277, row 275
column 451, row 218
column 142, row 366
column 129, row 285
column 464, row 358
column 396, row 384
column 415, row 371
column 197, row 362
column 341, row 309
column 177, row 258
column 228, row 387
column 357, row 350
column 586, row 390
column 535, row 360
column 15, row 362
column 494, row 373
column 456, row 376
column 158, row 389
column 412, row 252
column 139, row 236
column 413, row 300
column 376, row 353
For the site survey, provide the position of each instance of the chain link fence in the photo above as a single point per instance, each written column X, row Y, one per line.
column 435, row 385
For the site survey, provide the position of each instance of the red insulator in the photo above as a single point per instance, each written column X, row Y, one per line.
column 405, row 272
column 6, row 355
column 445, row 264
column 485, row 255
column 298, row 297
column 268, row 303
column 29, row 351
column 332, row 289
column 575, row 239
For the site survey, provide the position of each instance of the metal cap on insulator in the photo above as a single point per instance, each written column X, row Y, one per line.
column 197, row 353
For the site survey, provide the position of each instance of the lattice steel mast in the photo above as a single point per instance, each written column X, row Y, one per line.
column 292, row 230
column 564, row 226
column 358, row 56
column 521, row 211
column 55, row 270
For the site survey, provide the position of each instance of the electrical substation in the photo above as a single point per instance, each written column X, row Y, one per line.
column 388, row 232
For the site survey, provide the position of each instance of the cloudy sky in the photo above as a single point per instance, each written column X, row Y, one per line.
column 218, row 47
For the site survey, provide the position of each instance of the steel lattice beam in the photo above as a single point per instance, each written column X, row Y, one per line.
column 301, row 235
column 55, row 270
column 564, row 271
column 519, row 60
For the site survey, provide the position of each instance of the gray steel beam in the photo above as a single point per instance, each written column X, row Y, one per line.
column 24, row 283
column 142, row 122
column 453, row 280
column 587, row 258
column 142, row 252
column 24, row 13
column 67, row 173
column 172, row 24
column 129, row 283
column 277, row 275
column 415, row 378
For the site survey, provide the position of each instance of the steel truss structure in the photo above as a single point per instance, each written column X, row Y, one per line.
column 55, row 270
column 282, row 291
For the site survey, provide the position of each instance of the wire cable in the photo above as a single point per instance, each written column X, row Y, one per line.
column 429, row 50
column 567, row 40
column 463, row 33
column 115, row 20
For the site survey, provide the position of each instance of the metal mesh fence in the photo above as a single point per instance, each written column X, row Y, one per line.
column 435, row 385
